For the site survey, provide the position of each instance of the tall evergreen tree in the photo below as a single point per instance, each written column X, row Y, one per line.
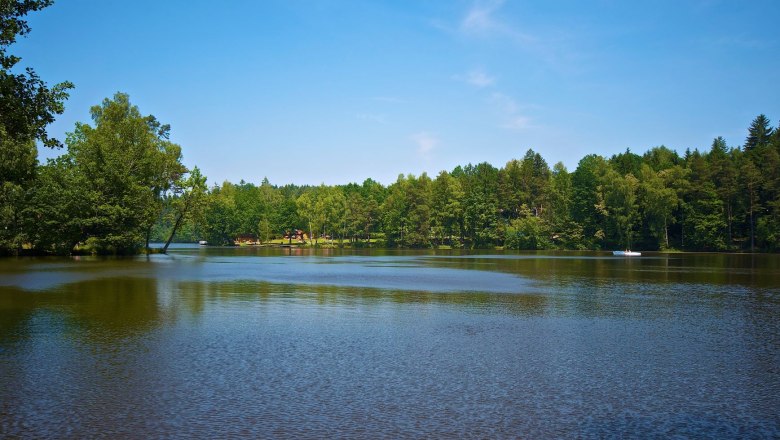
column 661, row 158
column 447, row 204
column 759, row 133
column 723, row 173
column 480, row 213
column 626, row 163
column 536, row 179
column 512, row 189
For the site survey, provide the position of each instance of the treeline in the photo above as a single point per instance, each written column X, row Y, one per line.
column 121, row 183
column 721, row 199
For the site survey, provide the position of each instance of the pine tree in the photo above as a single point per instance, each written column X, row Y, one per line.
column 759, row 133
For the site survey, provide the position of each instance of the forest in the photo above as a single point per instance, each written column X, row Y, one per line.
column 120, row 184
column 721, row 199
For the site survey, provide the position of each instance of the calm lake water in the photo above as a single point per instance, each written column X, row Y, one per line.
column 248, row 342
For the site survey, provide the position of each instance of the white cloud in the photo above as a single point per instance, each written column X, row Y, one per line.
column 480, row 18
column 425, row 141
column 483, row 20
column 509, row 111
column 379, row 119
column 479, row 79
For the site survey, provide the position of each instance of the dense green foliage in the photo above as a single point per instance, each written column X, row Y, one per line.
column 110, row 188
column 724, row 199
column 121, row 183
column 721, row 199
column 27, row 106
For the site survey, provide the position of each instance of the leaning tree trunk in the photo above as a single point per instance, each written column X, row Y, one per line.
column 173, row 232
column 176, row 225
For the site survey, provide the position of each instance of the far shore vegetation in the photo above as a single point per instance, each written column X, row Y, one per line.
column 120, row 184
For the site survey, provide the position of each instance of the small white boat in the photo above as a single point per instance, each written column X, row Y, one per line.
column 626, row 253
column 203, row 242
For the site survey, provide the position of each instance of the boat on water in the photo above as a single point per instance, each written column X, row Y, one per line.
column 203, row 242
column 626, row 253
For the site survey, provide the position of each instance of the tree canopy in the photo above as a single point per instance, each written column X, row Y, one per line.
column 722, row 198
column 27, row 106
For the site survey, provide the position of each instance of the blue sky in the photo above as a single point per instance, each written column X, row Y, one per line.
column 332, row 91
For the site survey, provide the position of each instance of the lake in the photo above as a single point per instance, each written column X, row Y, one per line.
column 251, row 342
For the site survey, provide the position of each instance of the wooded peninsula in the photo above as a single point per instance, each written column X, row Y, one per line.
column 120, row 184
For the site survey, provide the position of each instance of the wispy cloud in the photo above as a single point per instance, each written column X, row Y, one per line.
column 477, row 78
column 485, row 19
column 509, row 111
column 425, row 142
column 379, row 119
column 481, row 19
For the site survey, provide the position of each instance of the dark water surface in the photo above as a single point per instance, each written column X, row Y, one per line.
column 220, row 343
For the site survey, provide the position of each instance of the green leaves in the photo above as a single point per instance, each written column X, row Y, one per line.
column 618, row 197
column 704, row 201
column 107, row 191
column 13, row 24
column 126, row 160
column 27, row 106
column 528, row 232
column 407, row 212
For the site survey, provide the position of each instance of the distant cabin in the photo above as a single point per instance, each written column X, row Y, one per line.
column 297, row 235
